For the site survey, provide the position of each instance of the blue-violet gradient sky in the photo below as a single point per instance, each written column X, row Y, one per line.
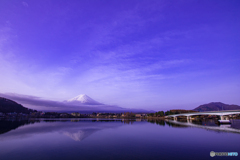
column 146, row 54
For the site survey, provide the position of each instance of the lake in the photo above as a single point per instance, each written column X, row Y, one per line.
column 93, row 139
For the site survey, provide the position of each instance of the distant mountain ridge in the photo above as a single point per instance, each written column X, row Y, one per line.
column 216, row 106
column 83, row 99
column 8, row 106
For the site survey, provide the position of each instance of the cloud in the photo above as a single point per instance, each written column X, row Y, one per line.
column 119, row 56
column 128, row 72
column 42, row 104
column 39, row 102
column 25, row 4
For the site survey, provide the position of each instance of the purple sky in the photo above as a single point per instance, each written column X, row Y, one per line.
column 156, row 55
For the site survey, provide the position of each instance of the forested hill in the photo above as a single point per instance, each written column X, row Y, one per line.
column 8, row 106
column 216, row 106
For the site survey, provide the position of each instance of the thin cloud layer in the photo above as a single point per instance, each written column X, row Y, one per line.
column 49, row 105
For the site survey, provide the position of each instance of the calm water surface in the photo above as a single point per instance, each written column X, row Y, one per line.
column 116, row 139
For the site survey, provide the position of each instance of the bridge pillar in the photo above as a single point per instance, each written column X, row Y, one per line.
column 224, row 118
column 189, row 117
column 175, row 118
column 221, row 117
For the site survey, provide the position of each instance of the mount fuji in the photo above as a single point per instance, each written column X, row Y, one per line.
column 83, row 99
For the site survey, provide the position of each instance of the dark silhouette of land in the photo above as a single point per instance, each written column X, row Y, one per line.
column 8, row 106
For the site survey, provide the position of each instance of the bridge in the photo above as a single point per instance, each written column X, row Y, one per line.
column 223, row 115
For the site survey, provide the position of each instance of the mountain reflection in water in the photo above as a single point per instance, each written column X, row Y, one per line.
column 115, row 139
column 80, row 134
column 81, row 129
column 75, row 129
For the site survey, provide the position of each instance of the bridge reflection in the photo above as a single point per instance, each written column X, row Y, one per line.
column 189, row 123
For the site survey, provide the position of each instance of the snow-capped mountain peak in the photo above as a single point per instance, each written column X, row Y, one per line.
column 83, row 99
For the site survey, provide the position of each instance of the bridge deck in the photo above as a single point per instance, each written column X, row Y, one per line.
column 219, row 113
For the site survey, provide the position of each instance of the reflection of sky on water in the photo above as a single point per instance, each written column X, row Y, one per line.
column 113, row 140
column 75, row 130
